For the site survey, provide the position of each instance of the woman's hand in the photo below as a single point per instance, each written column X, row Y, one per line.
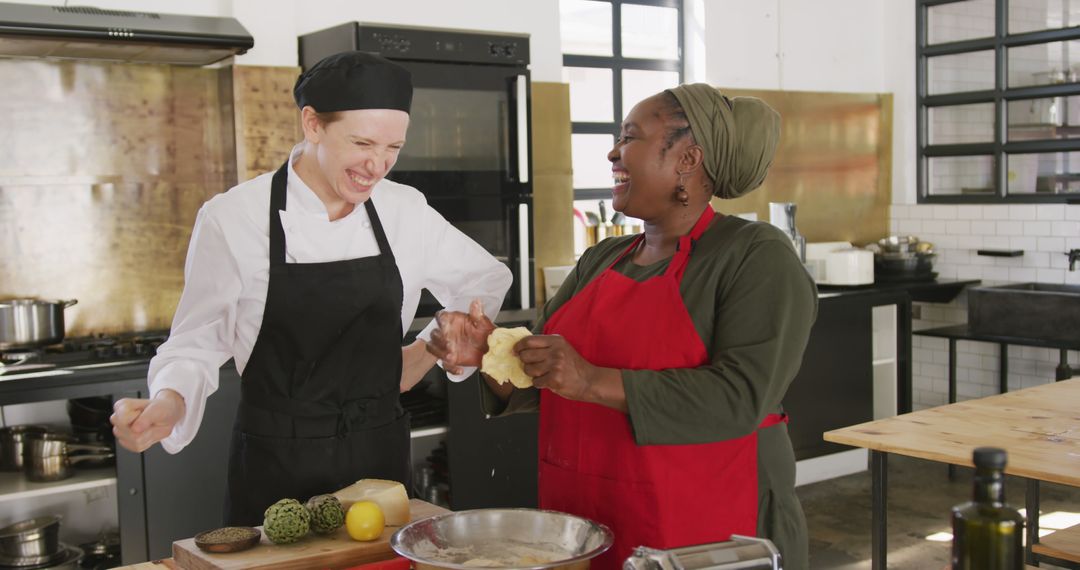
column 138, row 423
column 461, row 339
column 555, row 365
column 415, row 363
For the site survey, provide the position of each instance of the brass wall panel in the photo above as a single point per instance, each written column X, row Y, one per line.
column 102, row 170
column 267, row 120
column 834, row 161
column 553, row 188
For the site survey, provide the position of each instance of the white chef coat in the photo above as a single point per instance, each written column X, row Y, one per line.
column 228, row 270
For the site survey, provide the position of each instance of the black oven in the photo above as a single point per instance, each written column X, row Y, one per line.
column 468, row 146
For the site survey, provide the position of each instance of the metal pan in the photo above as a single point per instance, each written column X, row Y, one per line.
column 12, row 441
column 31, row 323
column 48, row 457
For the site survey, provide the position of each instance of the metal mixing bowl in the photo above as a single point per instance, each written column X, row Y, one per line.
column 502, row 538
column 898, row 244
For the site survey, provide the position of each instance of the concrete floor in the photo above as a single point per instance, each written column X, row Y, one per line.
column 838, row 514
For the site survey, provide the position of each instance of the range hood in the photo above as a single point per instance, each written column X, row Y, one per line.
column 81, row 32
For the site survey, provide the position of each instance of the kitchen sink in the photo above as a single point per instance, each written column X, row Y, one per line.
column 1044, row 311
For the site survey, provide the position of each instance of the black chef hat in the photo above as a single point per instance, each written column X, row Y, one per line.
column 354, row 80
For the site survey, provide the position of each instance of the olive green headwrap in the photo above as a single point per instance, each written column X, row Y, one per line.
column 738, row 135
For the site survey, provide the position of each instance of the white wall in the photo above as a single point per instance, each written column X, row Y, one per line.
column 869, row 46
column 275, row 24
column 796, row 45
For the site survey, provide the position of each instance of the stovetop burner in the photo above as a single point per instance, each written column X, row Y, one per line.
column 86, row 350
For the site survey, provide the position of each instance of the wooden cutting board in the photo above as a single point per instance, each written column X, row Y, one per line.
column 336, row 550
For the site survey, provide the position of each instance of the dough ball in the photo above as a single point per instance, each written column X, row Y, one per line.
column 500, row 362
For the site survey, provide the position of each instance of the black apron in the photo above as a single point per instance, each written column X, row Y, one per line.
column 320, row 406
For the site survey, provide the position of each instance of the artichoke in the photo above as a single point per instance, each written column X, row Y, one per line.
column 327, row 514
column 286, row 521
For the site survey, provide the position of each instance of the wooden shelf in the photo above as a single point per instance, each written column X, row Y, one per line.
column 1063, row 544
column 14, row 485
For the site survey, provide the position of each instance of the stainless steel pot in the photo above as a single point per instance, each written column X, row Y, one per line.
column 12, row 441
column 48, row 457
column 31, row 538
column 30, row 323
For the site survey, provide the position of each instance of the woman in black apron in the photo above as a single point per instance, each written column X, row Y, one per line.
column 320, row 391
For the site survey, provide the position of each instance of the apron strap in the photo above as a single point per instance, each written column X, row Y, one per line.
column 320, row 418
column 685, row 243
column 633, row 244
column 685, row 247
column 277, row 204
column 380, row 235
column 277, row 232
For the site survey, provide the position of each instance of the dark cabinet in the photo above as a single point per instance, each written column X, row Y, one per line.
column 835, row 386
column 493, row 461
column 184, row 494
column 160, row 497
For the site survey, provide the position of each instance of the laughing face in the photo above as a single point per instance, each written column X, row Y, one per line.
column 354, row 152
column 645, row 162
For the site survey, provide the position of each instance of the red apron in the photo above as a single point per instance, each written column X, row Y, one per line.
column 662, row 496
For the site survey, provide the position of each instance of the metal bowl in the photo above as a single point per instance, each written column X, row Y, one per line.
column 502, row 538
column 898, row 244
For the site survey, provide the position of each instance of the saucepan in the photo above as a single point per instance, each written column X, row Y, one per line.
column 31, row 323
column 47, row 457
column 12, row 441
column 502, row 538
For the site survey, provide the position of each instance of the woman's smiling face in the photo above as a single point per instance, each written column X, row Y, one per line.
column 358, row 149
column 645, row 161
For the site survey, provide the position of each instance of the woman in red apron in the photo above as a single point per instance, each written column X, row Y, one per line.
column 665, row 356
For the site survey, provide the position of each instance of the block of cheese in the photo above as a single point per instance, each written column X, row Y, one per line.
column 389, row 495
column 500, row 362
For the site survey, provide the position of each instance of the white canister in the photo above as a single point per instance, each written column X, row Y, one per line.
column 850, row 267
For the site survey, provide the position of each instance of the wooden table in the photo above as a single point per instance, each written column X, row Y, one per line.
column 1039, row 428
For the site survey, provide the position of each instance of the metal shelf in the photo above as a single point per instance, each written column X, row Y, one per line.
column 427, row 432
column 15, row 486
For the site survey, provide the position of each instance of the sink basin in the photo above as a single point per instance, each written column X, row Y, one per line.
column 1044, row 311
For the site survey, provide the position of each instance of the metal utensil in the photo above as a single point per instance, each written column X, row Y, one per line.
column 31, row 323
column 502, row 538
column 738, row 553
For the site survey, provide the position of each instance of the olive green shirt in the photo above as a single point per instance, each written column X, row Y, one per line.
column 752, row 303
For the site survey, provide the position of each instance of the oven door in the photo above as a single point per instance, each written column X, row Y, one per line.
column 468, row 151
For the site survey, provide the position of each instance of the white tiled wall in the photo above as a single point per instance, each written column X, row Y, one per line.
column 1043, row 232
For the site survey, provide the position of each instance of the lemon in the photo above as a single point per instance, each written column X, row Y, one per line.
column 364, row 521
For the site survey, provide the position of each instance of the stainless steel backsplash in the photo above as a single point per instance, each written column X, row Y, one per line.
column 103, row 168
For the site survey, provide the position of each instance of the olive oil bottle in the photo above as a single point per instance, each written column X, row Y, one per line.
column 987, row 533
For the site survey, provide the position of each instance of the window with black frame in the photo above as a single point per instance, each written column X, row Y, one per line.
column 615, row 53
column 998, row 95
